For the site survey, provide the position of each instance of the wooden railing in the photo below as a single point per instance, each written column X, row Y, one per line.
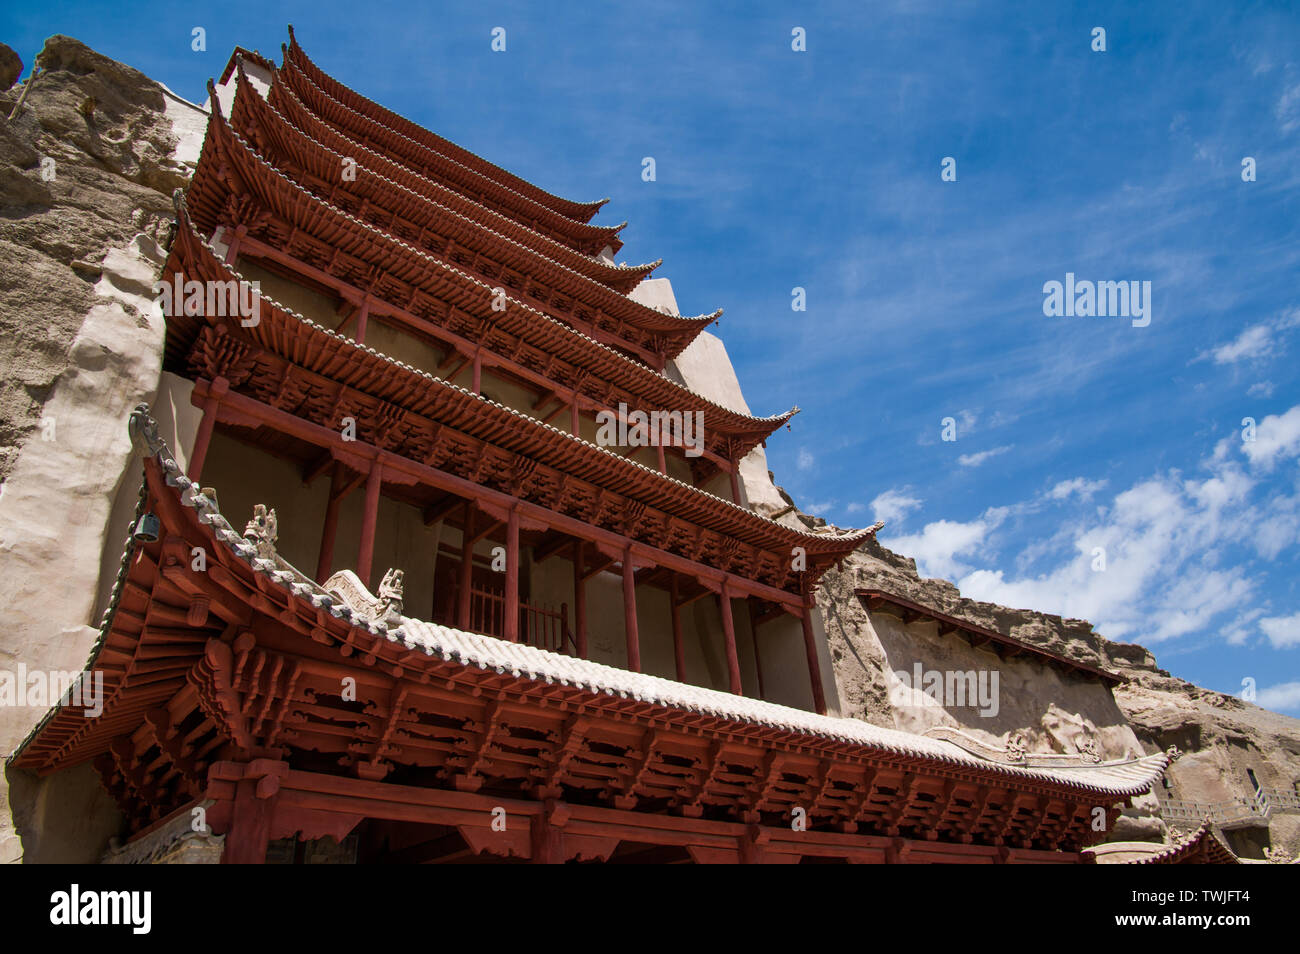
column 539, row 625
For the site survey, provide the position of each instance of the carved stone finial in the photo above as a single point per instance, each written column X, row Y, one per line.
column 390, row 594
column 144, row 431
column 1174, row 753
column 1089, row 749
column 1017, row 746
column 262, row 531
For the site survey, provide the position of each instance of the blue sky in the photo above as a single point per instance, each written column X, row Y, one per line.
column 821, row 169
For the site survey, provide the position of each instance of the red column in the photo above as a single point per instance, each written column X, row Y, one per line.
column 735, row 482
column 580, row 597
column 232, row 247
column 478, row 371
column 512, row 576
column 466, row 568
column 679, row 650
column 629, row 612
column 729, row 633
column 250, row 826
column 203, row 438
column 663, row 464
column 330, row 531
column 814, row 666
column 574, row 427
column 366, row 552
column 363, row 315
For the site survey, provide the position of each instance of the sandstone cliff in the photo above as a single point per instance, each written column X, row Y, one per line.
column 89, row 161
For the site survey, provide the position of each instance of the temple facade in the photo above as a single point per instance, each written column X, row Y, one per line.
column 437, row 557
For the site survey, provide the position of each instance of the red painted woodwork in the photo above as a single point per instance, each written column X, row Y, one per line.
column 580, row 597
column 466, row 569
column 204, row 436
column 679, row 648
column 729, row 637
column 512, row 577
column 329, row 533
column 629, row 612
column 814, row 664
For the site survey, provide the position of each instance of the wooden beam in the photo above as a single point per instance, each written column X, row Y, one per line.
column 442, row 509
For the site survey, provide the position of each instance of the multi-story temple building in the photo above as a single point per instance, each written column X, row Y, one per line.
column 502, row 594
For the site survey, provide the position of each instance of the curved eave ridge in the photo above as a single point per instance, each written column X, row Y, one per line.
column 292, row 111
column 634, row 377
column 580, row 211
column 672, row 496
column 1116, row 779
column 420, row 158
column 321, row 160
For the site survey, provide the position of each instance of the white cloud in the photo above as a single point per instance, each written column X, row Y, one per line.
column 974, row 460
column 938, row 546
column 1283, row 696
column 1276, row 436
column 1253, row 343
column 1159, row 580
column 1256, row 343
column 1262, row 389
column 805, row 460
column 1080, row 486
column 893, row 506
column 1282, row 631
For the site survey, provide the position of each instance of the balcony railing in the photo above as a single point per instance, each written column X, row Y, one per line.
column 543, row 626
column 1233, row 813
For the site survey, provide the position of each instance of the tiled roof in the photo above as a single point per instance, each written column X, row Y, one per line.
column 1117, row 779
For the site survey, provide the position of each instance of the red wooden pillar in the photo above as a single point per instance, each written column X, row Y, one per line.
column 363, row 315
column 735, row 482
column 679, row 650
column 478, row 371
column 250, row 826
column 330, row 530
column 466, row 568
column 512, row 576
column 232, row 247
column 814, row 666
column 574, row 424
column 629, row 612
column 203, row 438
column 663, row 464
column 729, row 633
column 366, row 552
column 580, row 596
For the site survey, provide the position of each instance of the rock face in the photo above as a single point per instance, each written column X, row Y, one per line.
column 89, row 164
column 1228, row 746
column 11, row 67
